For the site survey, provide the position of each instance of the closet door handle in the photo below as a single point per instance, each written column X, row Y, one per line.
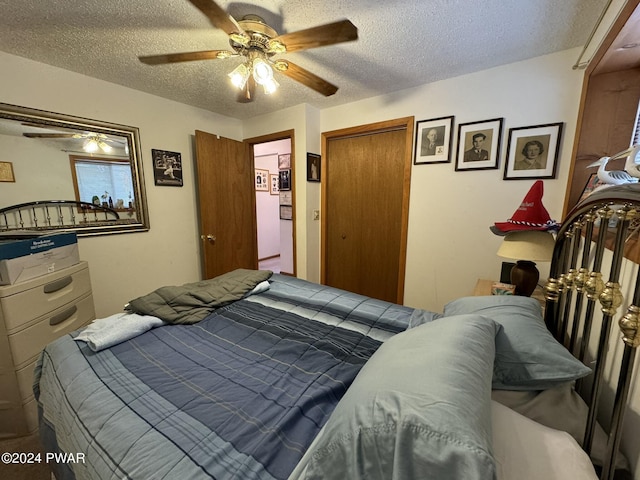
column 62, row 316
column 57, row 284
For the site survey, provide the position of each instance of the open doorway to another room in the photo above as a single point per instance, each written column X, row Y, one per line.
column 272, row 161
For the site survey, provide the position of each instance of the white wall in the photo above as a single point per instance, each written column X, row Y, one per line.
column 267, row 211
column 125, row 266
column 449, row 242
column 54, row 176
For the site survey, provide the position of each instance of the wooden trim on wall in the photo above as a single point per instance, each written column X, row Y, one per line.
column 604, row 76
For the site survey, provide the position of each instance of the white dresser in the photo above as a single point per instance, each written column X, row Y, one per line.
column 33, row 314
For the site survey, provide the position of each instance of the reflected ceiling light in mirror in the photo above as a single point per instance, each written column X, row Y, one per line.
column 94, row 143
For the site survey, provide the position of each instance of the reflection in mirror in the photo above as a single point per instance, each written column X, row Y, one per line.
column 59, row 157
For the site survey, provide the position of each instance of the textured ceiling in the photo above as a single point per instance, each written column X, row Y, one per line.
column 402, row 43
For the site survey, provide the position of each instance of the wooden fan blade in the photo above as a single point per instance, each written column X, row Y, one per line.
column 332, row 33
column 49, row 135
column 307, row 78
column 186, row 57
column 218, row 16
column 247, row 93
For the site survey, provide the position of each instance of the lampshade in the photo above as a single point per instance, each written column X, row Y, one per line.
column 240, row 75
column 533, row 245
column 259, row 67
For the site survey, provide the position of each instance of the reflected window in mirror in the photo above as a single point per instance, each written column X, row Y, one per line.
column 103, row 181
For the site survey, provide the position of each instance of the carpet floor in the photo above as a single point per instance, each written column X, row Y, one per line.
column 34, row 471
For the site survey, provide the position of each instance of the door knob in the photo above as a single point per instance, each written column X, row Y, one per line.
column 209, row 238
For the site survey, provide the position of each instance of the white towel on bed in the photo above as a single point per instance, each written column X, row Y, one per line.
column 105, row 332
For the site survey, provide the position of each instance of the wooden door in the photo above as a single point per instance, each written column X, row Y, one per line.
column 365, row 202
column 226, row 199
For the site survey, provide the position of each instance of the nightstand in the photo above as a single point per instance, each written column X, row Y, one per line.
column 483, row 287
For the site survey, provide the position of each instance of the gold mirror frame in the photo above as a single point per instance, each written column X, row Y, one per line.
column 130, row 136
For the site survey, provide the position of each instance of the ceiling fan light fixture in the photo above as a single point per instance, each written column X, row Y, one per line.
column 90, row 145
column 262, row 71
column 240, row 75
column 270, row 86
column 106, row 148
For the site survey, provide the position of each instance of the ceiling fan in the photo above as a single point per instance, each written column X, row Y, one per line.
column 253, row 39
column 92, row 141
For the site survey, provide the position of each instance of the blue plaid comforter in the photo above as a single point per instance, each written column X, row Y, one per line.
column 239, row 395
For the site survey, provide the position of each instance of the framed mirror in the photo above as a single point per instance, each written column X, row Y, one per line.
column 50, row 159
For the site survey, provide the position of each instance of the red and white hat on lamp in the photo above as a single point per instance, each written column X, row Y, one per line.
column 530, row 215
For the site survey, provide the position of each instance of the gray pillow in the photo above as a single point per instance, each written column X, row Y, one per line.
column 527, row 355
column 419, row 408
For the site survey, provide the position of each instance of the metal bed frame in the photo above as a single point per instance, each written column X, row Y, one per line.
column 55, row 215
column 601, row 226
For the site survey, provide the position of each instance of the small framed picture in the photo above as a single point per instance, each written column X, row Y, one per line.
column 262, row 180
column 6, row 172
column 274, row 182
column 167, row 168
column 285, row 197
column 285, row 179
column 532, row 152
column 286, row 212
column 433, row 141
column 284, row 161
column 479, row 145
column 313, row 167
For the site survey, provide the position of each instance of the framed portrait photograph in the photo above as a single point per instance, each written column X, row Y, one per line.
column 313, row 167
column 433, row 141
column 262, row 180
column 167, row 168
column 274, row 184
column 479, row 145
column 284, row 161
column 532, row 152
column 285, row 180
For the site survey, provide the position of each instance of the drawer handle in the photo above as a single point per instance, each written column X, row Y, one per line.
column 57, row 284
column 61, row 317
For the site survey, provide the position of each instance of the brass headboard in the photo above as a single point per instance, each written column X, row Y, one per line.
column 593, row 274
column 55, row 215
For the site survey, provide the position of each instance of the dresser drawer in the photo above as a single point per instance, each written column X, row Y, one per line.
column 43, row 295
column 25, row 381
column 28, row 343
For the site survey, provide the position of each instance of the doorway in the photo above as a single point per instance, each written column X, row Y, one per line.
column 275, row 234
column 227, row 195
column 273, row 162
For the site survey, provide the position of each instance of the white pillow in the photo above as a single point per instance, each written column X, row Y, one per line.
column 559, row 408
column 526, row 450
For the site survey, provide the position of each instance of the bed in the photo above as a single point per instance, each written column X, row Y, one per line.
column 254, row 375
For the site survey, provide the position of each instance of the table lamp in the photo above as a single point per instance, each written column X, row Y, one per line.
column 526, row 247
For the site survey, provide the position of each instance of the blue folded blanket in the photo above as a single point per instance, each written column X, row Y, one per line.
column 105, row 332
